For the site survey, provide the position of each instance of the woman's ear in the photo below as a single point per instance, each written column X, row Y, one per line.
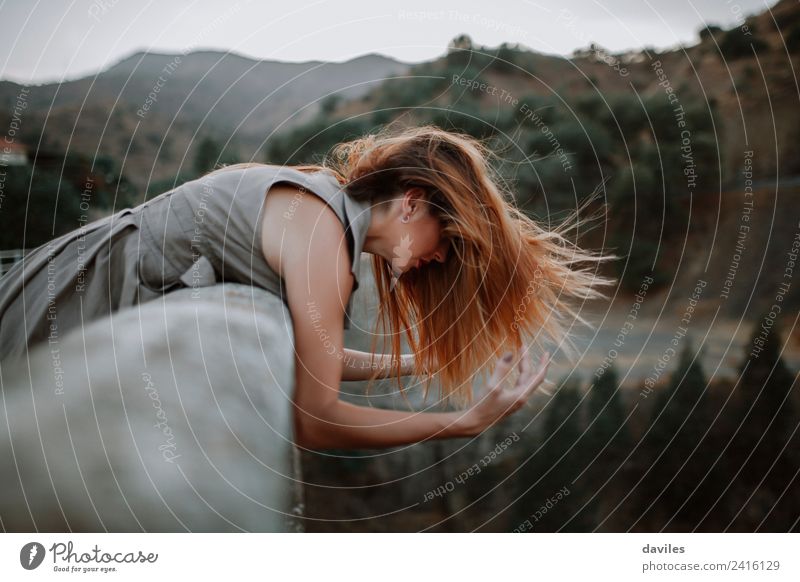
column 412, row 199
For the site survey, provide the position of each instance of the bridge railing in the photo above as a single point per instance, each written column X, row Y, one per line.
column 174, row 415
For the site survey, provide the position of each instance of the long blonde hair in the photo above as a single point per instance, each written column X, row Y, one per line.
column 507, row 277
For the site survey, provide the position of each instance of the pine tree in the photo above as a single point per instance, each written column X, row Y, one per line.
column 554, row 502
column 765, row 445
column 679, row 452
column 207, row 156
column 608, row 444
column 607, row 418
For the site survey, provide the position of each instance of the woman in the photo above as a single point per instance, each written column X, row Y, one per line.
column 459, row 271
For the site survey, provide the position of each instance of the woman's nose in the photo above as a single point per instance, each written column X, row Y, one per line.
column 441, row 253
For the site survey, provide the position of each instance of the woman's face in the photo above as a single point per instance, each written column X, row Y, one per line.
column 417, row 235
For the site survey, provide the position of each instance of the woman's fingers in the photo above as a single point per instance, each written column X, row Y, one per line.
column 525, row 370
column 528, row 382
column 501, row 370
column 540, row 375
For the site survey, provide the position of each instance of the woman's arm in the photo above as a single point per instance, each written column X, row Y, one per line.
column 318, row 280
column 344, row 425
column 362, row 365
column 356, row 426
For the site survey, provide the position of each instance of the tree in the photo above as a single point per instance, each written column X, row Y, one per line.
column 207, row 156
column 710, row 31
column 737, row 43
column 678, row 451
column 330, row 103
column 764, row 448
column 460, row 51
column 460, row 42
column 507, row 56
column 607, row 431
column 48, row 204
column 608, row 444
column 554, row 468
column 792, row 39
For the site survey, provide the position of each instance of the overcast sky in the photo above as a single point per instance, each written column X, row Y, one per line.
column 52, row 40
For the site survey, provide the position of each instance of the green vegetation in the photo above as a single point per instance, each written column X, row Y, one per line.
column 210, row 154
column 792, row 39
column 738, row 43
column 62, row 194
column 29, row 212
column 710, row 31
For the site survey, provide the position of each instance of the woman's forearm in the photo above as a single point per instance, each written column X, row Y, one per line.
column 362, row 365
column 348, row 425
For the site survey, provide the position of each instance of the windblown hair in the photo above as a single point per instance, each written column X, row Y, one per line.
column 506, row 279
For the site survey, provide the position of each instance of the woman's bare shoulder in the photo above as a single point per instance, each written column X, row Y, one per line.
column 292, row 217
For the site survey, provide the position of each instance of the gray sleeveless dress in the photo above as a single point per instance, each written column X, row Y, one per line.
column 203, row 232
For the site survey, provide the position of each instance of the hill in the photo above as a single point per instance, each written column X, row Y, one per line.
column 149, row 111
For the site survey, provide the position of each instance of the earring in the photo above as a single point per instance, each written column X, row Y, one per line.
column 405, row 218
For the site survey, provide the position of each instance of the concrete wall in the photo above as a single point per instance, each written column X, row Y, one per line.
column 174, row 415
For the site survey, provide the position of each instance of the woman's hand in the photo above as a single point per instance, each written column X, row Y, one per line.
column 500, row 400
